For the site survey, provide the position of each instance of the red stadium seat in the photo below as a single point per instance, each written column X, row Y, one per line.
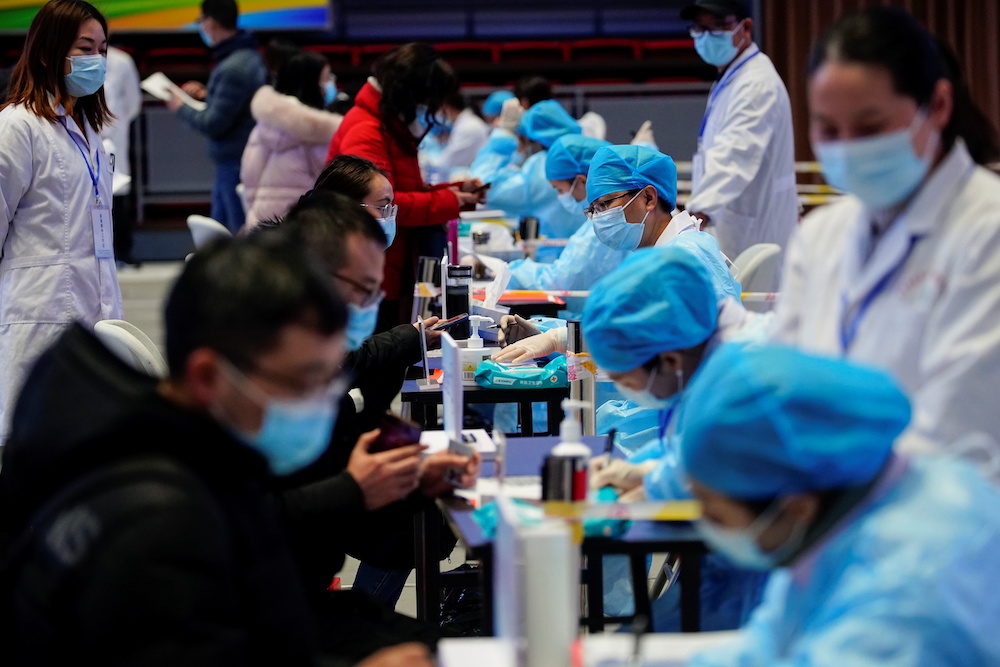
column 604, row 49
column 533, row 51
column 339, row 55
column 469, row 53
column 367, row 54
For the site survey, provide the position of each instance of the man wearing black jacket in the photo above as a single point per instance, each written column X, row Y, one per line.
column 152, row 538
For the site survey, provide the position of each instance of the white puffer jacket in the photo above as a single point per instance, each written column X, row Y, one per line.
column 285, row 153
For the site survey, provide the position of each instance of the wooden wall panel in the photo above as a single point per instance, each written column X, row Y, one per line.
column 970, row 27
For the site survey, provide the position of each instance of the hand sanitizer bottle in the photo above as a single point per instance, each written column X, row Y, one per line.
column 474, row 353
column 564, row 473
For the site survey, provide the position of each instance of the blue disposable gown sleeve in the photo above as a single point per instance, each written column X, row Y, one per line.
column 583, row 262
column 706, row 248
column 494, row 156
column 526, row 191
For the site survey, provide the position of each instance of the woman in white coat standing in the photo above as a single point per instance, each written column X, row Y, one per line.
column 58, row 263
column 287, row 148
column 904, row 271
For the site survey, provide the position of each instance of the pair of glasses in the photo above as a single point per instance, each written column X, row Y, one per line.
column 602, row 206
column 330, row 389
column 372, row 296
column 386, row 211
column 716, row 31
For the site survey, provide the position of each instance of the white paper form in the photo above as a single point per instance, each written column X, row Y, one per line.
column 161, row 87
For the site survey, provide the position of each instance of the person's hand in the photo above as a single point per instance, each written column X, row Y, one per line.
column 530, row 348
column 467, row 200
column 174, row 102
column 510, row 114
column 645, row 134
column 433, row 338
column 621, row 475
column 384, row 477
column 636, row 495
column 440, row 468
column 411, row 654
column 475, row 185
column 514, row 328
column 195, row 89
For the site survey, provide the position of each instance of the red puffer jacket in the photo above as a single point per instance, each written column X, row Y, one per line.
column 393, row 148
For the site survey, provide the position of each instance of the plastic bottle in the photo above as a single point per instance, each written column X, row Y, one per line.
column 564, row 473
column 474, row 353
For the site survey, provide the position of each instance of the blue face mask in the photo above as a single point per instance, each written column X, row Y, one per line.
column 205, row 37
column 569, row 202
column 294, row 433
column 361, row 323
column 329, row 92
column 418, row 128
column 882, row 170
column 717, row 50
column 740, row 546
column 87, row 74
column 389, row 227
column 615, row 231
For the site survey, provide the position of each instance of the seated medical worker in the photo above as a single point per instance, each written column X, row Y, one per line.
column 584, row 260
column 525, row 191
column 648, row 179
column 876, row 558
column 650, row 325
column 493, row 104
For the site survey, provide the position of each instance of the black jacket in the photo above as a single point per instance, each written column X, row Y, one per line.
column 188, row 567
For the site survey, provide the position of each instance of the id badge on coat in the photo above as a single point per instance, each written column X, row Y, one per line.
column 100, row 217
column 697, row 170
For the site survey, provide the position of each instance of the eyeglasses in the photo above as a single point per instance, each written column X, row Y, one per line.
column 696, row 30
column 372, row 296
column 331, row 388
column 602, row 206
column 386, row 211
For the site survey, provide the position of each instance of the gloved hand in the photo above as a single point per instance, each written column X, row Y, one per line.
column 533, row 347
column 514, row 328
column 621, row 475
column 644, row 135
column 510, row 114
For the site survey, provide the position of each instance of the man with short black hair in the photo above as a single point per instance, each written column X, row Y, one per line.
column 147, row 537
column 239, row 71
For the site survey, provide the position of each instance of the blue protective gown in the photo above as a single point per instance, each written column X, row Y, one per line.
column 526, row 191
column 910, row 579
column 494, row 156
column 583, row 262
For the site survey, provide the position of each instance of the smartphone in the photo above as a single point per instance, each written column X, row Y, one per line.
column 395, row 432
column 449, row 323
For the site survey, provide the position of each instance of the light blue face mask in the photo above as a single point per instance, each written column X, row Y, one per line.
column 740, row 546
column 294, row 433
column 717, row 50
column 86, row 75
column 360, row 323
column 882, row 170
column 517, row 158
column 418, row 128
column 205, row 37
column 615, row 231
column 329, row 92
column 388, row 225
column 569, row 202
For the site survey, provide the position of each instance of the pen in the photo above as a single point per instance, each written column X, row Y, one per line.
column 609, row 446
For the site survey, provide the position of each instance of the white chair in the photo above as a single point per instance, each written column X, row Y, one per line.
column 132, row 346
column 758, row 268
column 204, row 229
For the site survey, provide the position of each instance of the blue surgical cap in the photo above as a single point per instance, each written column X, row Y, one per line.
column 767, row 421
column 616, row 168
column 570, row 155
column 657, row 300
column 546, row 121
column 494, row 103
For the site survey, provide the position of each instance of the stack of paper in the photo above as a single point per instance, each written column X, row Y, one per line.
column 159, row 86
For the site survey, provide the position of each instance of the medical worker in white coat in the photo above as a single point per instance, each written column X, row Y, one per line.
column 743, row 173
column 904, row 272
column 58, row 264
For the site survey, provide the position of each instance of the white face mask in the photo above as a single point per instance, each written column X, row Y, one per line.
column 645, row 398
column 740, row 546
column 569, row 202
column 615, row 231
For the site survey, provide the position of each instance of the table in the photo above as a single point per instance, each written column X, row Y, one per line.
column 423, row 403
column 524, row 457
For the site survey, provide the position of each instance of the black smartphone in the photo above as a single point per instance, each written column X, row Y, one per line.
column 395, row 432
column 450, row 322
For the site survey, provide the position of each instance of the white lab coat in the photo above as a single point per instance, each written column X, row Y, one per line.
column 468, row 135
column 49, row 273
column 936, row 325
column 744, row 171
column 123, row 94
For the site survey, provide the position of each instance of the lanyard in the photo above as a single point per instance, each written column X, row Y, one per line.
column 94, row 178
column 726, row 80
column 666, row 423
column 849, row 328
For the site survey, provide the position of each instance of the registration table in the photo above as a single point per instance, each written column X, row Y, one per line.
column 524, row 457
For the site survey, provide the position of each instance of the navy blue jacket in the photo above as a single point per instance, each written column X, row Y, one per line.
column 226, row 120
